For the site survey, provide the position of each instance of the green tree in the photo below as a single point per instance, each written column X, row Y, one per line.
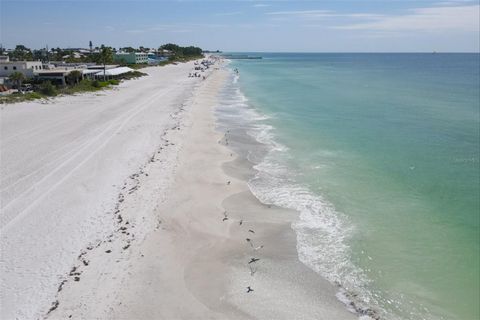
column 105, row 56
column 48, row 89
column 128, row 49
column 180, row 52
column 192, row 51
column 74, row 77
column 176, row 49
column 40, row 54
column 17, row 78
column 57, row 54
column 21, row 53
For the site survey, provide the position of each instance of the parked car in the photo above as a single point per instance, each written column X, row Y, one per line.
column 26, row 87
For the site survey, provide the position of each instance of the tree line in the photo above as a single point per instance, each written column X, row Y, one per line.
column 177, row 50
column 21, row 53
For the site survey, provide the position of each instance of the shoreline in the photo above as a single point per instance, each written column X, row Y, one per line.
column 174, row 244
column 195, row 263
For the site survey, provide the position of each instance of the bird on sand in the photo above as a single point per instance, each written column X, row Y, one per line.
column 253, row 260
column 249, row 289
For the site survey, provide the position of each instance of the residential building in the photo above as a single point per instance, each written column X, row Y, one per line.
column 28, row 68
column 57, row 75
column 164, row 53
column 131, row 57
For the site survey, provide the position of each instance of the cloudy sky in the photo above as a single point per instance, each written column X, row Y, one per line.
column 248, row 25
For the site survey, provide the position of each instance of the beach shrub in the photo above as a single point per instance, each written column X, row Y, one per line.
column 48, row 89
column 114, row 82
column 132, row 75
column 96, row 84
column 33, row 96
column 13, row 98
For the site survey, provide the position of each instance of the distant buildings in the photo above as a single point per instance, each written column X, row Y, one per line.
column 164, row 53
column 57, row 72
column 27, row 68
column 131, row 57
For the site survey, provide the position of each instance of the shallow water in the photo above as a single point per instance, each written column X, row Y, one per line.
column 380, row 155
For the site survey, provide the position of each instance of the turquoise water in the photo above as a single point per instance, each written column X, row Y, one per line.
column 380, row 154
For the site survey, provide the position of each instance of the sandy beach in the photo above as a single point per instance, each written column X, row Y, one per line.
column 130, row 204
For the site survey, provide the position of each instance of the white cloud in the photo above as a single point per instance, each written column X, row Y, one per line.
column 300, row 13
column 181, row 31
column 322, row 14
column 222, row 14
column 135, row 31
column 452, row 18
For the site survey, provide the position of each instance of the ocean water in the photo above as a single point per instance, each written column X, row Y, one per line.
column 379, row 153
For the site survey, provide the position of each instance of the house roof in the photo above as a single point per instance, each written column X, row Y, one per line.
column 89, row 71
column 115, row 71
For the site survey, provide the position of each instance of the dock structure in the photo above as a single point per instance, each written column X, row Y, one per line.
column 241, row 56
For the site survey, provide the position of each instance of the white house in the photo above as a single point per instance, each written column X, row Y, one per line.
column 28, row 68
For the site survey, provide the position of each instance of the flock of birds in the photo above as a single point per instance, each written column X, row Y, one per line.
column 253, row 261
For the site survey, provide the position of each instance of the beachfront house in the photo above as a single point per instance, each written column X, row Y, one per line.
column 27, row 68
column 56, row 76
column 131, row 57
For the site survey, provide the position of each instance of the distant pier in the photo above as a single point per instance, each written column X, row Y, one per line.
column 241, row 56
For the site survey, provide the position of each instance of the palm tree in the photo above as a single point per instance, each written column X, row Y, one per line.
column 106, row 56
column 74, row 76
column 17, row 78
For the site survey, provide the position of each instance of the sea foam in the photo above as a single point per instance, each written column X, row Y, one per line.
column 322, row 232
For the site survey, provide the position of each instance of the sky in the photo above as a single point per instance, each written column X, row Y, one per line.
column 248, row 25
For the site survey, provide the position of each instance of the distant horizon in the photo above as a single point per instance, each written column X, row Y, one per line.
column 360, row 52
column 243, row 51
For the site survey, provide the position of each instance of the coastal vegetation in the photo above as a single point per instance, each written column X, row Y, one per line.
column 182, row 52
column 101, row 55
column 17, row 78
column 169, row 53
column 46, row 89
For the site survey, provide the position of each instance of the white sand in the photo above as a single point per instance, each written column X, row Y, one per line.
column 164, row 251
column 63, row 165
